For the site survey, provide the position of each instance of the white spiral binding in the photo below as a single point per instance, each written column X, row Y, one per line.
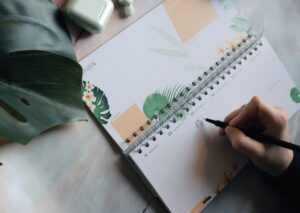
column 208, row 81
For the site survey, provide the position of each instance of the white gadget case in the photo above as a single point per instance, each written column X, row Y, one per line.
column 91, row 15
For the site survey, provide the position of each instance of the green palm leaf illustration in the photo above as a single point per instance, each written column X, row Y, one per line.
column 158, row 101
column 179, row 50
column 170, row 39
column 153, row 104
column 100, row 107
column 240, row 24
column 295, row 95
column 172, row 92
column 226, row 4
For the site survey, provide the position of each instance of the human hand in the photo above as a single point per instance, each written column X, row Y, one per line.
column 269, row 120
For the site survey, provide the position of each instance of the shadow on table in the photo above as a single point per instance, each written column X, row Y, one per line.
column 252, row 191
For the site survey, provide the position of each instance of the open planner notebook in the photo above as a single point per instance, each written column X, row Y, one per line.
column 150, row 87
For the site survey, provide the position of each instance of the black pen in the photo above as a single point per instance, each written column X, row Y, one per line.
column 258, row 136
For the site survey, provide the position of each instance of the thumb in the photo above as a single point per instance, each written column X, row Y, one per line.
column 243, row 143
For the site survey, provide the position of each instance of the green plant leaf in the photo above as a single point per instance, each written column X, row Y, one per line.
column 40, row 80
column 33, row 25
column 33, row 99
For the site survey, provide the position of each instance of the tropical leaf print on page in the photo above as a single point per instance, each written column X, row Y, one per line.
column 226, row 4
column 178, row 50
column 240, row 24
column 96, row 101
column 155, row 104
column 295, row 95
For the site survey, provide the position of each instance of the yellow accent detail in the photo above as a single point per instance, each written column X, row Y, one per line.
column 129, row 122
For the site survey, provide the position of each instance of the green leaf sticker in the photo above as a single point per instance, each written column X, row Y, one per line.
column 96, row 101
column 295, row 95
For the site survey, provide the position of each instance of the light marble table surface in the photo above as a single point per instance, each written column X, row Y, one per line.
column 76, row 168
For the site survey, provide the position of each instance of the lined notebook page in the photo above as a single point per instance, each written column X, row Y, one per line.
column 135, row 64
column 141, row 69
column 191, row 162
column 147, row 58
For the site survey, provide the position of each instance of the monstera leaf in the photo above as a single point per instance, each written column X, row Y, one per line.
column 96, row 101
column 40, row 79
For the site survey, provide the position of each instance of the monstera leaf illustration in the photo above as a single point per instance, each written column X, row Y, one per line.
column 295, row 95
column 96, row 101
column 40, row 79
column 158, row 101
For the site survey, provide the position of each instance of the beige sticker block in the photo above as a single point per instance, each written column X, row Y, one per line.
column 130, row 122
column 190, row 16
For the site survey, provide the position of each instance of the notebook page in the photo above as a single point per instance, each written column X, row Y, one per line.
column 143, row 69
column 191, row 162
column 131, row 67
column 146, row 61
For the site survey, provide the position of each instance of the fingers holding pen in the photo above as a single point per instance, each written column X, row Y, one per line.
column 258, row 115
column 249, row 112
column 244, row 144
column 229, row 117
column 255, row 110
column 264, row 116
